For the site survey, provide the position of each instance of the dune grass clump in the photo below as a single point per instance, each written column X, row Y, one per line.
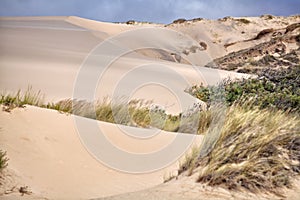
column 133, row 112
column 3, row 160
column 19, row 99
column 258, row 150
column 189, row 161
column 137, row 113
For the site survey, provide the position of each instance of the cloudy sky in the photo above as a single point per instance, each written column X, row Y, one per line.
column 163, row 11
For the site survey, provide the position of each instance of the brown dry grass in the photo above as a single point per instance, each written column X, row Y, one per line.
column 258, row 150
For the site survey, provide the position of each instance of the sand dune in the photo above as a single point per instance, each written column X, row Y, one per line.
column 217, row 33
column 45, row 151
column 48, row 53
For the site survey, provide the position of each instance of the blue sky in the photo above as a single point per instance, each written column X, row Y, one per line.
column 163, row 11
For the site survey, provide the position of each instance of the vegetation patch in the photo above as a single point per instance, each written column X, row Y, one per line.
column 292, row 27
column 257, row 150
column 243, row 20
column 273, row 89
column 263, row 33
column 19, row 99
column 267, row 16
column 256, row 144
column 179, row 21
column 3, row 160
column 131, row 22
column 137, row 113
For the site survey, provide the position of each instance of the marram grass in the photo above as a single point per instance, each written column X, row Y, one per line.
column 19, row 99
column 136, row 113
column 3, row 160
column 258, row 150
column 244, row 146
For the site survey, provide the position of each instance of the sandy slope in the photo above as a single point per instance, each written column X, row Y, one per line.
column 47, row 155
column 216, row 33
column 186, row 188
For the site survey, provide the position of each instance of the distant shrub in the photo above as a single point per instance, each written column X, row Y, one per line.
column 243, row 20
column 267, row 16
column 197, row 19
column 179, row 21
column 224, row 19
column 263, row 33
column 275, row 89
column 130, row 22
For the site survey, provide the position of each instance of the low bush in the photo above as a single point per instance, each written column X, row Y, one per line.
column 274, row 89
column 243, row 20
column 179, row 21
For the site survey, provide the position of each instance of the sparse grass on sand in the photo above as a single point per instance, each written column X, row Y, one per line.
column 257, row 150
column 136, row 113
column 3, row 164
column 3, row 160
column 272, row 89
column 19, row 99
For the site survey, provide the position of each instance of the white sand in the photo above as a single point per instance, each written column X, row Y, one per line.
column 46, row 153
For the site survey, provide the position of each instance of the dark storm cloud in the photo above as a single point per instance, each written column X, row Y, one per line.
column 148, row 10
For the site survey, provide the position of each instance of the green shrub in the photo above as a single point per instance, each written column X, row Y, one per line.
column 275, row 89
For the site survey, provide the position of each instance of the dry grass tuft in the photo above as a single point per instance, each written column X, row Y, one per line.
column 3, row 160
column 243, row 20
column 189, row 162
column 138, row 113
column 19, row 99
column 258, row 150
